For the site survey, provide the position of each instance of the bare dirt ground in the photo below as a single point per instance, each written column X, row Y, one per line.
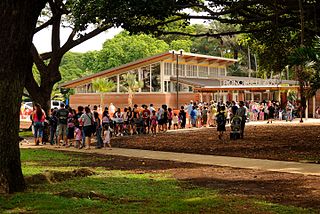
column 277, row 141
column 283, row 188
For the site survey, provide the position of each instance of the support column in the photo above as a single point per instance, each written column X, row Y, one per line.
column 314, row 106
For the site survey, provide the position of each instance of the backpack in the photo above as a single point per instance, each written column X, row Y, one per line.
column 221, row 119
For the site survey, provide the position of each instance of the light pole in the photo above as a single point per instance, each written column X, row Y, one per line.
column 177, row 73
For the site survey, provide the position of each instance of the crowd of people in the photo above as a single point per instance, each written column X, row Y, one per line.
column 69, row 127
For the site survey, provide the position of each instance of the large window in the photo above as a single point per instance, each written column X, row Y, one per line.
column 115, row 80
column 222, row 71
column 155, row 78
column 145, row 76
column 167, row 68
column 81, row 89
column 191, row 70
column 214, row 72
column 124, row 84
column 203, row 71
column 167, row 86
column 181, row 69
column 182, row 87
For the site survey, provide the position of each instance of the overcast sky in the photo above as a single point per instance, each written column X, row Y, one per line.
column 42, row 40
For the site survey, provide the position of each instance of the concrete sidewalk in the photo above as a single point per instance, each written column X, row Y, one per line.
column 236, row 162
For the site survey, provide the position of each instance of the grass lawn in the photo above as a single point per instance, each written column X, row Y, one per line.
column 25, row 134
column 120, row 191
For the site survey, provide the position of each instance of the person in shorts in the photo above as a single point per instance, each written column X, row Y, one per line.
column 146, row 119
column 38, row 116
column 62, row 115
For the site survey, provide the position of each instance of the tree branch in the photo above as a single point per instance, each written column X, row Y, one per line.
column 72, row 43
column 32, row 86
column 38, row 61
column 43, row 26
column 215, row 35
column 45, row 56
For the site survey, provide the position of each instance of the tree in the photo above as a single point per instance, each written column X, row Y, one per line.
column 103, row 86
column 306, row 64
column 131, row 85
column 181, row 44
column 125, row 48
column 80, row 15
column 17, row 23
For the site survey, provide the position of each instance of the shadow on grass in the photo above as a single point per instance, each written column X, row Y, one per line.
column 283, row 191
column 122, row 192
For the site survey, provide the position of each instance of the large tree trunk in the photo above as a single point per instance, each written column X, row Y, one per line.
column 42, row 96
column 17, row 22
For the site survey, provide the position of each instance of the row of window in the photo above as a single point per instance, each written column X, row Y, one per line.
column 149, row 76
column 172, row 87
column 170, row 69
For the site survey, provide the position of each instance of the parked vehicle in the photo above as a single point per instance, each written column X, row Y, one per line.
column 54, row 104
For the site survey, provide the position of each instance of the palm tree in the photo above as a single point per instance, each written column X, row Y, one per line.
column 306, row 64
column 131, row 85
column 103, row 86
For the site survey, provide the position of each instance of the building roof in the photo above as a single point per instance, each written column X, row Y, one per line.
column 170, row 56
column 246, row 87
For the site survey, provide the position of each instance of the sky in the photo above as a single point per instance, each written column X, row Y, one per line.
column 42, row 40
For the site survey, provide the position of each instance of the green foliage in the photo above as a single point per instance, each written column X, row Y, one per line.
column 130, row 83
column 185, row 45
column 102, row 85
column 305, row 62
column 124, row 48
column 237, row 70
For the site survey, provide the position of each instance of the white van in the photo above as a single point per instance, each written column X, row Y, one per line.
column 54, row 104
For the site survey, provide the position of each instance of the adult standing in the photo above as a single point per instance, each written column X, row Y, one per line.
column 289, row 110
column 151, row 109
column 53, row 122
column 182, row 117
column 112, row 109
column 98, row 126
column 87, row 120
column 146, row 114
column 38, row 116
column 78, row 116
column 271, row 111
column 241, row 112
column 62, row 115
column 189, row 110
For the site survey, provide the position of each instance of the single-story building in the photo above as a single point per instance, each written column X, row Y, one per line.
column 200, row 77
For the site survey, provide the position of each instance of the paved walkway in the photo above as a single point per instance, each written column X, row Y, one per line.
column 236, row 162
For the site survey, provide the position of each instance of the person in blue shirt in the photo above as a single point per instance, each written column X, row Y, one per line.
column 193, row 116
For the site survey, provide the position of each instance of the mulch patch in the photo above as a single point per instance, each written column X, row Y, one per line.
column 282, row 188
column 288, row 142
column 57, row 176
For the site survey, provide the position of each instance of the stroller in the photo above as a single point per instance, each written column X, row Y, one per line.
column 235, row 127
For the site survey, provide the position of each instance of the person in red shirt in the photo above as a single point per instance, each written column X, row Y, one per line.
column 146, row 119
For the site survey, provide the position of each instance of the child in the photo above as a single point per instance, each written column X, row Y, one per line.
column 280, row 114
column 154, row 123
column 204, row 116
column 78, row 132
column 106, row 136
column 175, row 121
